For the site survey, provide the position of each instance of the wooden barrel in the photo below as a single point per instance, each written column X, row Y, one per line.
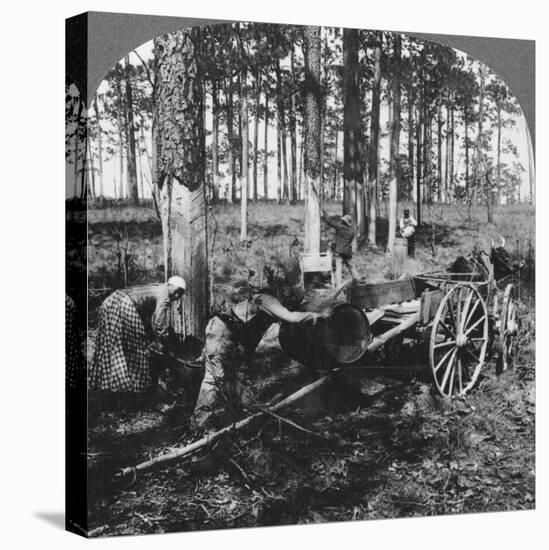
column 401, row 248
column 343, row 337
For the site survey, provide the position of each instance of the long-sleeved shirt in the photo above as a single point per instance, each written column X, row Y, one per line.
column 153, row 305
column 344, row 235
column 407, row 221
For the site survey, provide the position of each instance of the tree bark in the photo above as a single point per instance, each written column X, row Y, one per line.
column 215, row 142
column 395, row 143
column 266, row 149
column 132, row 159
column 244, row 164
column 293, row 143
column 374, row 142
column 120, row 135
column 231, row 192
column 439, row 149
column 466, row 133
column 410, row 184
column 256, row 129
column 353, row 169
column 312, row 139
column 99, row 146
column 180, row 172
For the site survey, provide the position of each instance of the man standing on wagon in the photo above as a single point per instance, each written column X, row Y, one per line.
column 343, row 245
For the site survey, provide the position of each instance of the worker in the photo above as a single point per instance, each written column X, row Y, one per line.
column 133, row 322
column 343, row 245
column 407, row 225
column 231, row 339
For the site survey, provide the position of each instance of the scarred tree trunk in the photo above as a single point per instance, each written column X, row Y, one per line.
column 180, row 172
column 374, row 143
column 312, row 139
column 395, row 146
column 353, row 170
column 132, row 158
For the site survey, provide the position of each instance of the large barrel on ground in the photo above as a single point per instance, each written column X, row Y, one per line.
column 343, row 337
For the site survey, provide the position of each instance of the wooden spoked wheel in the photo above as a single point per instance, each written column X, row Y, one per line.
column 507, row 333
column 459, row 340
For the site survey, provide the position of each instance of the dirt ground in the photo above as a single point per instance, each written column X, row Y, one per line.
column 383, row 444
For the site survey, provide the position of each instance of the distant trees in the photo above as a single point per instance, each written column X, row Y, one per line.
column 398, row 118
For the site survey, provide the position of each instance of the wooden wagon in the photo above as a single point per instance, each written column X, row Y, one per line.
column 461, row 321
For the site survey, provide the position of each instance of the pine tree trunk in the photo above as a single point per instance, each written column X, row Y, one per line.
column 231, row 192
column 447, row 155
column 498, row 159
column 451, row 164
column 244, row 172
column 439, row 149
column 215, row 142
column 91, row 170
column 256, row 129
column 353, row 170
column 419, row 156
column 334, row 183
column 99, row 146
column 466, row 134
column 132, row 160
column 374, row 143
column 266, row 149
column 77, row 147
column 312, row 139
column 293, row 144
column 410, row 185
column 395, row 143
column 120, row 136
column 180, row 172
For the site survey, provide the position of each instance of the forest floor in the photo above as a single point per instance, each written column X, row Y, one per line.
column 385, row 446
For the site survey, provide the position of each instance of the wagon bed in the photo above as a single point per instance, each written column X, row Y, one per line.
column 449, row 311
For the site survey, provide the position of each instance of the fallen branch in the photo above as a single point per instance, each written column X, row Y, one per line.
column 208, row 439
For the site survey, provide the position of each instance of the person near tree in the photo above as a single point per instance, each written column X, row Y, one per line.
column 407, row 225
column 342, row 246
column 231, row 338
column 132, row 323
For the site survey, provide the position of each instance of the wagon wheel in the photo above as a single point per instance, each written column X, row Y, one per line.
column 459, row 340
column 508, row 327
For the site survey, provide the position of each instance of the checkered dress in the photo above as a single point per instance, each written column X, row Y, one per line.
column 121, row 362
column 75, row 370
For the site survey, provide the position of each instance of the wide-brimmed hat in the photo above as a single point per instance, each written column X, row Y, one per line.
column 347, row 220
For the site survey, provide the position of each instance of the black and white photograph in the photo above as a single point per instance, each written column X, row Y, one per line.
column 300, row 266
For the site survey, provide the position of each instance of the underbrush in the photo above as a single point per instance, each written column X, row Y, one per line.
column 379, row 444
